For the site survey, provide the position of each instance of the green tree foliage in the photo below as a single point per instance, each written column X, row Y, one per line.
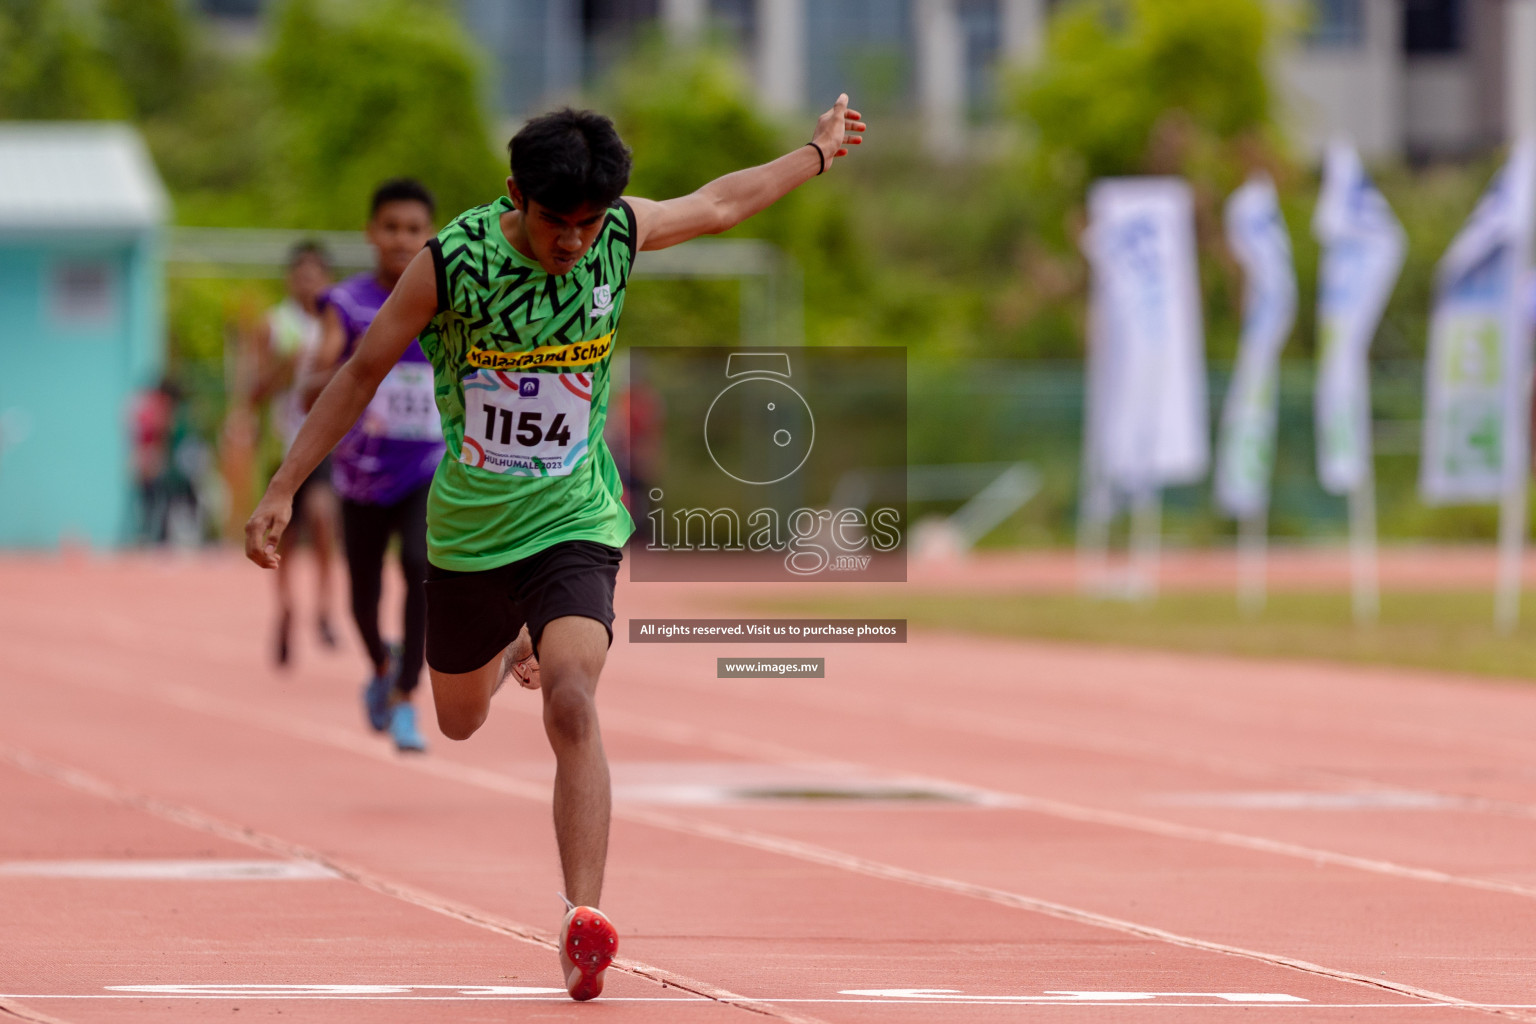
column 690, row 116
column 150, row 45
column 214, row 148
column 1115, row 70
column 687, row 117
column 1127, row 87
column 975, row 257
column 51, row 67
column 368, row 91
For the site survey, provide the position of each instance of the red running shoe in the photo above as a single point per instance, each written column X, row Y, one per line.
column 588, row 943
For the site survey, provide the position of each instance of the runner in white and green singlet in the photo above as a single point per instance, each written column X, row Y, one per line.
column 517, row 305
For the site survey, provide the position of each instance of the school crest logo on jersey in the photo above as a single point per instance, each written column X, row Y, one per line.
column 602, row 301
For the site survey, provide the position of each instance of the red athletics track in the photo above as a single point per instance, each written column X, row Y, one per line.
column 1132, row 836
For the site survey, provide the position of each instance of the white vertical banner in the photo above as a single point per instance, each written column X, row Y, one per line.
column 1245, row 458
column 1147, row 413
column 1478, row 372
column 1477, row 346
column 1246, row 455
column 1363, row 247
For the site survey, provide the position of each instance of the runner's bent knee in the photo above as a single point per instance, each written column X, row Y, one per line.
column 463, row 701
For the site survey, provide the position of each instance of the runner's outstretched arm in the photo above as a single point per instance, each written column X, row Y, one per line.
column 403, row 316
column 729, row 200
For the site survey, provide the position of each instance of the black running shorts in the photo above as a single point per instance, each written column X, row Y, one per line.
column 473, row 616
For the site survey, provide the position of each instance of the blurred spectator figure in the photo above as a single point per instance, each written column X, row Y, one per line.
column 166, row 461
column 635, row 440
column 285, row 344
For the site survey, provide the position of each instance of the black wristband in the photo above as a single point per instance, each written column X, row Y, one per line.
column 821, row 155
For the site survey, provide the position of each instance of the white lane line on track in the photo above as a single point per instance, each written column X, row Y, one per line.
column 208, row 870
column 888, row 872
column 125, row 631
column 238, row 990
column 458, row 993
column 562, row 1000
column 10, row 1010
column 1010, row 729
column 500, row 783
column 715, row 739
column 1452, row 738
column 83, row 782
column 699, row 1000
column 191, row 698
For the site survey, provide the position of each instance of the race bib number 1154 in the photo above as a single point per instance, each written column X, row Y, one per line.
column 532, row 424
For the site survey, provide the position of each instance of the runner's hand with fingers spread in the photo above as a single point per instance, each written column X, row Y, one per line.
column 265, row 528
column 838, row 129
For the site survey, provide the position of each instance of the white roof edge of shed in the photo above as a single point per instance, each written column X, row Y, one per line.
column 77, row 175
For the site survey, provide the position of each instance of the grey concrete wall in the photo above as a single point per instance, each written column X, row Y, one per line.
column 1353, row 91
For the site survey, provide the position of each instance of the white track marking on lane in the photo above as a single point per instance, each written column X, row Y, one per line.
column 1011, row 729
column 10, row 1008
column 796, row 849
column 500, row 782
column 852, row 1001
column 206, row 870
column 193, row 699
column 874, row 869
column 1098, row 816
column 1074, row 996
column 127, row 633
column 81, row 781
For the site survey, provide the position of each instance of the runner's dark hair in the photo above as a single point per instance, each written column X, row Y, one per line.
column 309, row 249
column 569, row 157
column 397, row 190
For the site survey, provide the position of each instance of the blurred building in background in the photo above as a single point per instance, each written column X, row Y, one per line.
column 1414, row 78
column 81, row 326
column 1422, row 79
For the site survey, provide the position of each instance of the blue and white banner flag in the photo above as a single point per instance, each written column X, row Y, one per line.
column 1363, row 246
column 1147, row 405
column 1246, row 455
column 1479, row 347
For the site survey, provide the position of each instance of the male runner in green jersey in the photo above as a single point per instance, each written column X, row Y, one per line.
column 516, row 304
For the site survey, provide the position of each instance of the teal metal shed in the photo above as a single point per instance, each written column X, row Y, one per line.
column 82, row 326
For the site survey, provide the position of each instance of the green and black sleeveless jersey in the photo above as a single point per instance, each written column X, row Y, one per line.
column 521, row 362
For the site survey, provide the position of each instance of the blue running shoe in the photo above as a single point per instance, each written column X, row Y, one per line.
column 376, row 701
column 403, row 728
column 377, row 691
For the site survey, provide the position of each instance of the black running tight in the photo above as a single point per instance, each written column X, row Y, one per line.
column 366, row 530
